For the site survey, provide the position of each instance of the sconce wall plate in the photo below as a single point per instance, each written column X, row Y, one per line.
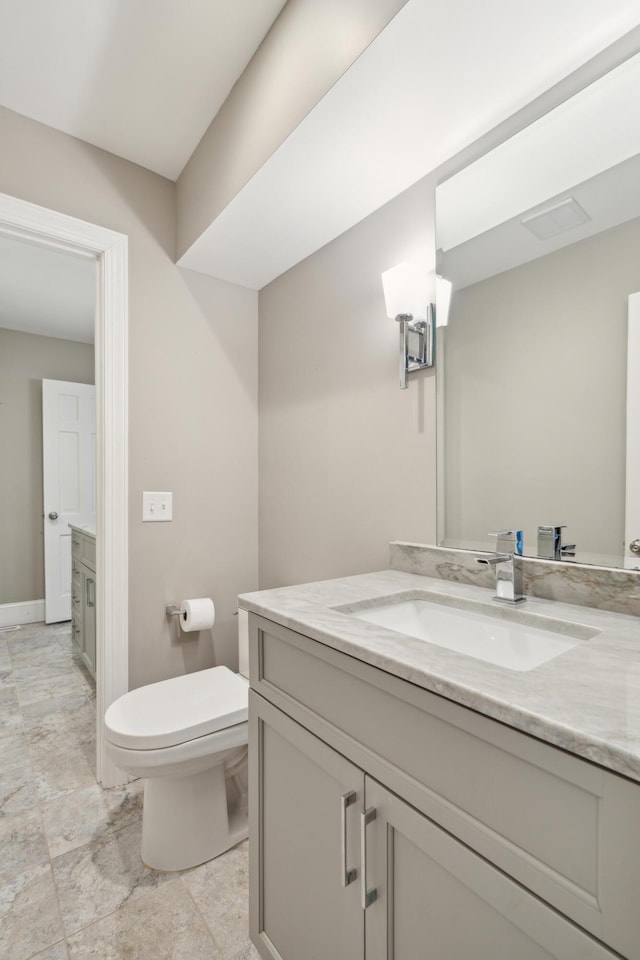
column 417, row 343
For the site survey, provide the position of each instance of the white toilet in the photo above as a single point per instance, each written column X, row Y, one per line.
column 188, row 738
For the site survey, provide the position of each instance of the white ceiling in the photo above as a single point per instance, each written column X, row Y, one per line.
column 441, row 74
column 46, row 291
column 143, row 79
column 140, row 78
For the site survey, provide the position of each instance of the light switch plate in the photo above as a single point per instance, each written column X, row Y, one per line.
column 157, row 506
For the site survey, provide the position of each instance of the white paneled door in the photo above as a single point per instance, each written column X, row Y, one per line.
column 69, row 480
column 632, row 505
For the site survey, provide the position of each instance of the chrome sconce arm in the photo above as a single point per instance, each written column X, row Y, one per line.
column 408, row 288
column 417, row 343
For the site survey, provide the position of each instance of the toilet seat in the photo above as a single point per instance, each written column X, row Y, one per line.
column 178, row 710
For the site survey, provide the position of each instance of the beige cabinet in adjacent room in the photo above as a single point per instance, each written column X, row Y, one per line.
column 83, row 595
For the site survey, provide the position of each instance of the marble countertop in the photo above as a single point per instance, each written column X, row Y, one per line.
column 88, row 528
column 586, row 700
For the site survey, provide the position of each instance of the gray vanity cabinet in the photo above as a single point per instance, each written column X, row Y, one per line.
column 83, row 595
column 484, row 844
column 305, row 911
column 438, row 900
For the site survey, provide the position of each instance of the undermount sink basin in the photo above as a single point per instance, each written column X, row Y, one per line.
column 508, row 639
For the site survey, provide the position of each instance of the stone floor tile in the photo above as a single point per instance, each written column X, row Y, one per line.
column 22, row 844
column 29, row 916
column 43, row 650
column 164, row 925
column 17, row 788
column 26, row 670
column 13, row 748
column 51, row 807
column 10, row 713
column 85, row 815
column 6, row 674
column 94, row 880
column 49, row 688
column 9, row 699
column 71, row 711
column 66, row 641
column 249, row 953
column 29, row 640
column 57, row 771
column 11, row 723
column 220, row 888
column 56, row 952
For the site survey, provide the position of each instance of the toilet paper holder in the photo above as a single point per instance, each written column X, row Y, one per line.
column 173, row 610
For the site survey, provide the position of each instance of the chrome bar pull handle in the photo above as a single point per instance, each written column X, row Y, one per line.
column 347, row 875
column 368, row 896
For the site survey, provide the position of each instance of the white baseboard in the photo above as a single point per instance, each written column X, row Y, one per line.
column 29, row 611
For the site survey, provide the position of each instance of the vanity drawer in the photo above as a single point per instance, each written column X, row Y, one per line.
column 548, row 819
column 84, row 548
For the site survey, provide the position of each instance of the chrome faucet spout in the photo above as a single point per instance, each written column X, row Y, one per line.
column 507, row 565
column 494, row 559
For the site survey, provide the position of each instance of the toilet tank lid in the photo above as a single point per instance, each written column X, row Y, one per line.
column 174, row 711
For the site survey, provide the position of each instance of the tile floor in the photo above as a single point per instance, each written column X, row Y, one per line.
column 72, row 885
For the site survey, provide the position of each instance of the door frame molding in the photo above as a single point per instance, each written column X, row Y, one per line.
column 109, row 249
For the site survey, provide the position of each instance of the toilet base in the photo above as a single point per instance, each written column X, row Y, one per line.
column 186, row 820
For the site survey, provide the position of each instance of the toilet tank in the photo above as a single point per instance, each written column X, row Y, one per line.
column 243, row 643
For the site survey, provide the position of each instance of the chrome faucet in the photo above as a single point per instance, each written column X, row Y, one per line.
column 506, row 561
column 550, row 545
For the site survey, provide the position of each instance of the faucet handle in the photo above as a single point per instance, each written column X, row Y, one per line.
column 509, row 541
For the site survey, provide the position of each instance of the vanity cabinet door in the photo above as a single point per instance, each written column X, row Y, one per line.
column 88, row 605
column 437, row 900
column 76, row 604
column 304, row 805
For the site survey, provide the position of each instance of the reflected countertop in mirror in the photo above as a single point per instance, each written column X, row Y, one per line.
column 539, row 366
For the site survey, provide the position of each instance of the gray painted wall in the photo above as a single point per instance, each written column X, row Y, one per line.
column 25, row 360
column 192, row 396
column 347, row 459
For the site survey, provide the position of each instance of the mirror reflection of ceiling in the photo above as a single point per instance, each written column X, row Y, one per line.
column 540, row 239
column 46, row 291
column 588, row 149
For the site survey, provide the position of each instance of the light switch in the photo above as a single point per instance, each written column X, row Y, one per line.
column 157, row 506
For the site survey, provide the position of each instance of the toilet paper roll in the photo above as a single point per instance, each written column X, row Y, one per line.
column 198, row 614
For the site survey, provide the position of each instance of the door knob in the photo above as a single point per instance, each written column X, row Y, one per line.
column 53, row 515
column 634, row 546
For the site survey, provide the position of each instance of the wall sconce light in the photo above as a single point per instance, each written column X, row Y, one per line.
column 443, row 300
column 406, row 294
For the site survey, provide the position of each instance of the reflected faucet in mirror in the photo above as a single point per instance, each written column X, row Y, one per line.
column 550, row 545
column 508, row 566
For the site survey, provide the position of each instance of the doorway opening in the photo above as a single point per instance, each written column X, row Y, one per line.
column 21, row 219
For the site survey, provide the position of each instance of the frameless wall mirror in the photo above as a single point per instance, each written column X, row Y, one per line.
column 539, row 366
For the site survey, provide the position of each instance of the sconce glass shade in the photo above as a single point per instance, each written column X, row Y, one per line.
column 443, row 301
column 406, row 290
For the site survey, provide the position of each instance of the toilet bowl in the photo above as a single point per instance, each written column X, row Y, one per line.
column 187, row 737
